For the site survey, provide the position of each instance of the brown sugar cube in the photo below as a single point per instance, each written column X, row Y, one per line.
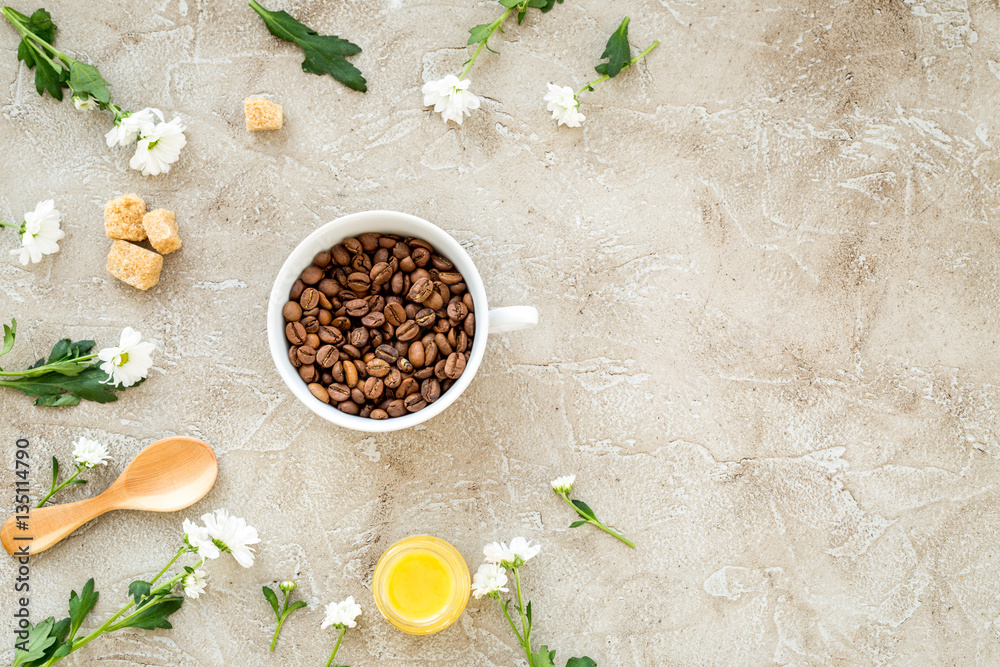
column 161, row 228
column 134, row 265
column 123, row 218
column 262, row 114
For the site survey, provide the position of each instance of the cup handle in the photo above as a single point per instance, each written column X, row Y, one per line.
column 512, row 318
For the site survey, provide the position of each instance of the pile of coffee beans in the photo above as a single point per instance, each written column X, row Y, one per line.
column 380, row 326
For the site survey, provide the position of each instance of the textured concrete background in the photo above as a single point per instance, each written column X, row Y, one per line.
column 767, row 273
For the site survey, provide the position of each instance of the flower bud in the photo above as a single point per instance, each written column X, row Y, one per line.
column 84, row 102
column 288, row 586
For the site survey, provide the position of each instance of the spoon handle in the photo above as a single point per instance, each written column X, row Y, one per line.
column 48, row 525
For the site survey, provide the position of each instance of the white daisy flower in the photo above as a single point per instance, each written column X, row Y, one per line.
column 564, row 106
column 129, row 362
column 489, row 578
column 341, row 614
column 519, row 552
column 563, row 484
column 159, row 148
column 194, row 583
column 197, row 536
column 232, row 535
column 128, row 128
column 90, row 453
column 451, row 98
column 40, row 233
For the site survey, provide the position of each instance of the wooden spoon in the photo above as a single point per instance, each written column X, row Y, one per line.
column 167, row 476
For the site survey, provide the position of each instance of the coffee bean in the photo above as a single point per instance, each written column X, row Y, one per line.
column 407, row 386
column 309, row 298
column 444, row 347
column 396, row 408
column 349, row 407
column 425, row 317
column 295, row 332
column 414, row 402
column 327, row 356
column 408, row 330
column 455, row 366
column 312, row 275
column 424, row 373
column 297, row 288
column 421, row 256
column 450, row 278
column 387, row 353
column 310, row 323
column 330, row 335
column 359, row 337
column 434, row 301
column 463, row 342
column 322, row 259
column 339, row 392
column 293, row 356
column 351, row 351
column 430, row 390
column 395, row 314
column 379, row 414
column 393, row 379
column 338, row 371
column 378, row 367
column 457, row 311
column 374, row 388
column 420, row 290
column 350, row 374
column 441, row 264
column 369, row 241
column 356, row 307
column 404, row 365
column 319, row 392
column 361, row 264
column 309, row 374
column 353, row 246
column 307, row 355
column 292, row 312
column 373, row 320
column 328, row 287
column 341, row 322
column 340, row 255
column 442, row 326
column 469, row 327
column 380, row 274
column 359, row 282
column 416, row 354
column 357, row 395
column 440, row 369
column 430, row 353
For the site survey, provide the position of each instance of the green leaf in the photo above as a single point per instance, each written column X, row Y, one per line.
column 55, row 471
column 581, row 662
column 9, row 333
column 273, row 599
column 544, row 658
column 577, row 524
column 85, row 80
column 76, row 481
column 584, row 510
column 510, row 3
column 618, row 53
column 57, row 401
column 80, row 605
column 39, row 638
column 61, row 350
column 88, row 385
column 549, row 4
column 527, row 613
column 324, row 54
column 298, row 604
column 47, row 78
column 480, row 33
column 138, row 590
column 153, row 615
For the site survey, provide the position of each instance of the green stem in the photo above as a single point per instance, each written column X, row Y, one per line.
column 55, row 489
column 42, row 370
column 639, row 57
column 20, row 27
column 596, row 522
column 520, row 639
column 336, row 647
column 167, row 567
column 475, row 54
column 11, row 225
column 525, row 625
column 281, row 620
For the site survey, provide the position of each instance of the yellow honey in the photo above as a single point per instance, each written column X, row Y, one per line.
column 421, row 585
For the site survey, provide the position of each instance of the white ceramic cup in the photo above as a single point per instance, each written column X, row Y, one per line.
column 386, row 222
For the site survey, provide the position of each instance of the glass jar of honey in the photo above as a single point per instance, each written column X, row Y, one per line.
column 421, row 585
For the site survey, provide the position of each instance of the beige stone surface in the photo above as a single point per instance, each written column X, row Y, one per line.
column 767, row 273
